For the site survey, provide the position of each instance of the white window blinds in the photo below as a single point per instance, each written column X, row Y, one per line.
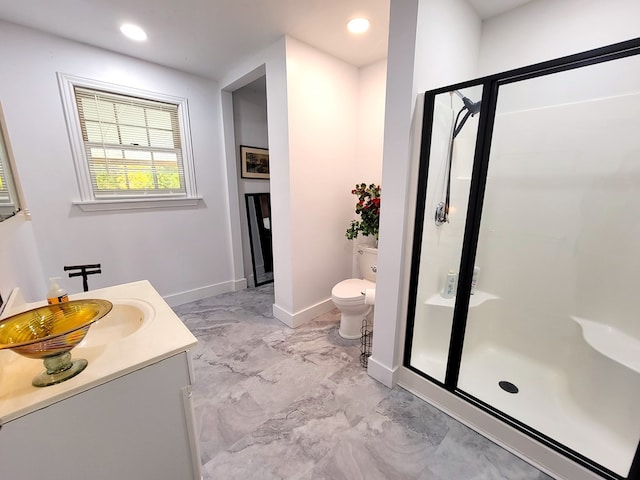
column 4, row 185
column 132, row 145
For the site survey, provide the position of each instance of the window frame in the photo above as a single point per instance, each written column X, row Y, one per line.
column 15, row 199
column 9, row 202
column 88, row 200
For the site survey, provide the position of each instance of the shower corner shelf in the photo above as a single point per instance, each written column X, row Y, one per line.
column 476, row 299
column 611, row 342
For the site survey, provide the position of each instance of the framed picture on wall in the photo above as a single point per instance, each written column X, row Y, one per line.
column 254, row 161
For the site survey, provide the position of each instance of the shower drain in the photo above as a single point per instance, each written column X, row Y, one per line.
column 508, row 386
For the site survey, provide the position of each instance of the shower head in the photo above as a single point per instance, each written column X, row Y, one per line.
column 473, row 107
column 442, row 210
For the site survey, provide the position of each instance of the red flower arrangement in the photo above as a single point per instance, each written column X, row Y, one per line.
column 368, row 207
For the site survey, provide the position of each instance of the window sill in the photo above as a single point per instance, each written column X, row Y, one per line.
column 137, row 204
column 24, row 214
column 8, row 209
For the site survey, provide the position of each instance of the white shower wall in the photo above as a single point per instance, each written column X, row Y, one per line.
column 558, row 241
column 561, row 202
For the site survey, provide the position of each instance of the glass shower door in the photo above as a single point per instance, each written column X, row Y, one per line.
column 446, row 180
column 552, row 339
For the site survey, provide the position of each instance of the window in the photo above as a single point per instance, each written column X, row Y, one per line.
column 130, row 147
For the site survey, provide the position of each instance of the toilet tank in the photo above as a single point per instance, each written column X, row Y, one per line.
column 368, row 261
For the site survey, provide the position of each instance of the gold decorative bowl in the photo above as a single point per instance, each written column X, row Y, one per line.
column 49, row 333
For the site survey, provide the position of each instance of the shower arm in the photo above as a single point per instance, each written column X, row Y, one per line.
column 464, row 120
column 473, row 107
column 442, row 209
column 456, row 131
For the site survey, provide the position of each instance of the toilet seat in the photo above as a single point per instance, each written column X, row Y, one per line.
column 350, row 291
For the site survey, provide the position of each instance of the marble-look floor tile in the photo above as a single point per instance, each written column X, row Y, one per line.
column 375, row 449
column 415, row 415
column 278, row 403
column 228, row 421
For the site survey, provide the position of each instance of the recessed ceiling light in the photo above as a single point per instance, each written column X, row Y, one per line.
column 134, row 32
column 358, row 25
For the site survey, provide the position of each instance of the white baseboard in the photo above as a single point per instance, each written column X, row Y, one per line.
column 282, row 315
column 385, row 375
column 239, row 284
column 294, row 320
column 180, row 298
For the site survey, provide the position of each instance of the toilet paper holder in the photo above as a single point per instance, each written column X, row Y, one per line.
column 369, row 295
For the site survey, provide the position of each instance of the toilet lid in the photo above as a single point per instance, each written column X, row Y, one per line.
column 351, row 289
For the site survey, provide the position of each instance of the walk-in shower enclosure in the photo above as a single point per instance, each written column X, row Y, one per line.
column 541, row 246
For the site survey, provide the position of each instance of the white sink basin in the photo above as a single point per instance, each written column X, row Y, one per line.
column 127, row 317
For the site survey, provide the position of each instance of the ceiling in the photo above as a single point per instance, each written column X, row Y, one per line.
column 491, row 8
column 207, row 37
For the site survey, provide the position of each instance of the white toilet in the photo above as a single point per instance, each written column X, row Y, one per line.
column 348, row 295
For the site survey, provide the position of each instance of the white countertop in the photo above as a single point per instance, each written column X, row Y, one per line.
column 160, row 337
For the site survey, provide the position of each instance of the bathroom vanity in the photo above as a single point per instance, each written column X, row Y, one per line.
column 128, row 415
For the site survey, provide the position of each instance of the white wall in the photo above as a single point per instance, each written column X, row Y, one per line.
column 250, row 128
column 447, row 44
column 547, row 29
column 322, row 98
column 370, row 123
column 313, row 207
column 318, row 149
column 250, row 122
column 372, row 81
column 270, row 62
column 178, row 250
column 20, row 261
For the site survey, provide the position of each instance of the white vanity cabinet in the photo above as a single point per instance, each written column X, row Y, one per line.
column 127, row 416
column 139, row 426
